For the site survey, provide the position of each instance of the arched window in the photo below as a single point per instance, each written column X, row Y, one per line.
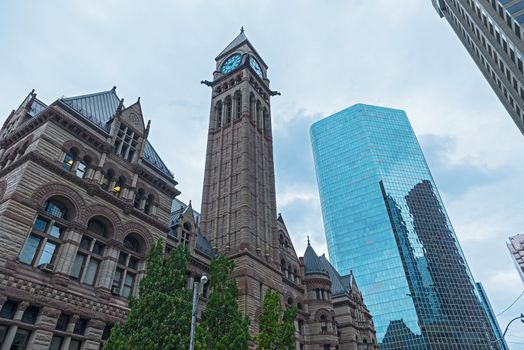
column 55, row 208
column 218, row 113
column 69, row 159
column 126, row 142
column 290, row 301
column 301, row 327
column 82, row 166
column 265, row 115
column 259, row 116
column 238, row 104
column 252, row 107
column 282, row 265
column 323, row 324
column 109, row 180
column 299, row 306
column 139, row 198
column 131, row 243
column 127, row 266
column 186, row 233
column 89, row 255
column 148, row 206
column 118, row 188
column 42, row 244
column 229, row 109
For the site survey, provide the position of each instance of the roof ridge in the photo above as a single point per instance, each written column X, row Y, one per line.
column 64, row 98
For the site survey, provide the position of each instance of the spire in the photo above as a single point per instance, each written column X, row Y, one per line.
column 312, row 263
column 239, row 40
column 308, row 243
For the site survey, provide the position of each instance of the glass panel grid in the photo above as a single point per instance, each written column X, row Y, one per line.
column 385, row 221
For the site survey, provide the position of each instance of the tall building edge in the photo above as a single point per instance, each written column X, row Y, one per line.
column 491, row 315
column 491, row 31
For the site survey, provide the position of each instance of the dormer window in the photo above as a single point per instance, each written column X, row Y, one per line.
column 126, row 142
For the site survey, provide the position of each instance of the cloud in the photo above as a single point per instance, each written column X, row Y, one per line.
column 323, row 57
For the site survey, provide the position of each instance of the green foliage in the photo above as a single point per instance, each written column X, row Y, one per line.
column 276, row 327
column 161, row 317
column 223, row 327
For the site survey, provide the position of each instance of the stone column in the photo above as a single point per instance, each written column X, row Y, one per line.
column 11, row 332
column 93, row 333
column 70, row 328
column 98, row 173
column 46, row 321
column 107, row 267
column 67, row 253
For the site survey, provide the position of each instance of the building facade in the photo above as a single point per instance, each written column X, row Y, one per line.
column 84, row 195
column 491, row 31
column 385, row 222
column 516, row 249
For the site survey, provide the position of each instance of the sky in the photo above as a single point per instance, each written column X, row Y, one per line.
column 323, row 56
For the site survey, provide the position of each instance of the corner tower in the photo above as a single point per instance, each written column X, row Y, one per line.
column 238, row 200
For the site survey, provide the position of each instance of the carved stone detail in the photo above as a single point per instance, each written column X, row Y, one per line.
column 3, row 186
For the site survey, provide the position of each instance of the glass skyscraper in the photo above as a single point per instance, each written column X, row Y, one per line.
column 385, row 221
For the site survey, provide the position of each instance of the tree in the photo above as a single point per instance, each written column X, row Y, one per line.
column 223, row 327
column 161, row 317
column 276, row 327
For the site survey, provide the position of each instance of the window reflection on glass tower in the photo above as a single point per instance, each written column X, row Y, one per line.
column 385, row 221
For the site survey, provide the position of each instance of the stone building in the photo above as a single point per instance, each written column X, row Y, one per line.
column 84, row 195
column 516, row 249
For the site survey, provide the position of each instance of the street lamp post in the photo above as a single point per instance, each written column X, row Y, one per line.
column 521, row 317
column 196, row 288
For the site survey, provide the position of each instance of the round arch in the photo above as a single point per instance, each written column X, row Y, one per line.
column 76, row 205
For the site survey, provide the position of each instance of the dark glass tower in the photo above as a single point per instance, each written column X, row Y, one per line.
column 385, row 221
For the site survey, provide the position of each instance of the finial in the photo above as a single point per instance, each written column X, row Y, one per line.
column 308, row 243
column 114, row 88
column 138, row 99
column 242, row 29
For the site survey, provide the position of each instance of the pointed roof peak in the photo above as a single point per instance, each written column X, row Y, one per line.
column 239, row 40
column 308, row 242
column 312, row 263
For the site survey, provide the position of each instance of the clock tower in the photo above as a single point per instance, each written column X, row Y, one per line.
column 238, row 200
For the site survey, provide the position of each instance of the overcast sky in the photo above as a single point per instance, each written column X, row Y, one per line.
column 323, row 56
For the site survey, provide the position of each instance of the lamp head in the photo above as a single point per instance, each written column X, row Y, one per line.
column 204, row 279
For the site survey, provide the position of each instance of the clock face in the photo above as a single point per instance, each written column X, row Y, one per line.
column 231, row 63
column 256, row 67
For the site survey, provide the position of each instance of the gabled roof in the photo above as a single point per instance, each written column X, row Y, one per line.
column 99, row 108
column 203, row 245
column 178, row 209
column 36, row 107
column 153, row 159
column 312, row 263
